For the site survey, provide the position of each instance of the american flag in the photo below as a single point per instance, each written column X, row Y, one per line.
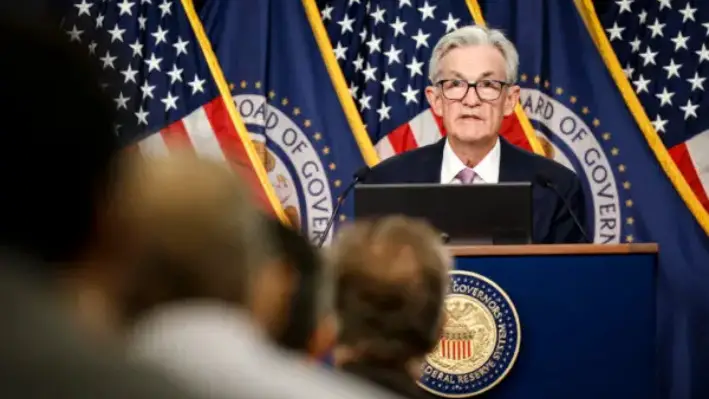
column 383, row 48
column 158, row 76
column 663, row 47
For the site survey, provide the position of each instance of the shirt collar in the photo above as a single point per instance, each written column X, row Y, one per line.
column 488, row 168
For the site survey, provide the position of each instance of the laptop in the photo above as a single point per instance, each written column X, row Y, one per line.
column 473, row 214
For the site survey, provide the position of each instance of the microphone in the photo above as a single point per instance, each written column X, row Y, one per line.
column 546, row 182
column 358, row 176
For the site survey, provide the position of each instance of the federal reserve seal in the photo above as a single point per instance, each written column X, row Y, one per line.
column 572, row 136
column 480, row 341
column 291, row 158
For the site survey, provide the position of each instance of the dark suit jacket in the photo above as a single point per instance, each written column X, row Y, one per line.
column 552, row 222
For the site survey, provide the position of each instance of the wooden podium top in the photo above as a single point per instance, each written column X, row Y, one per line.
column 556, row 249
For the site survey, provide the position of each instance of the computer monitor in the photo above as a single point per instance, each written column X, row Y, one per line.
column 473, row 214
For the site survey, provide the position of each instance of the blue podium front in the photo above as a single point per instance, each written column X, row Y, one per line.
column 557, row 321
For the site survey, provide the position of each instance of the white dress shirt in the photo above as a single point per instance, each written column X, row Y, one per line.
column 486, row 171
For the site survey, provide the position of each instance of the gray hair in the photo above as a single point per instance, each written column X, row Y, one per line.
column 472, row 36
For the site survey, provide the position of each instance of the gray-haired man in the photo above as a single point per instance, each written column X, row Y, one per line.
column 473, row 73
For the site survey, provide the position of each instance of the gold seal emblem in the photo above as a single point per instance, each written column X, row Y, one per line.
column 469, row 336
column 480, row 341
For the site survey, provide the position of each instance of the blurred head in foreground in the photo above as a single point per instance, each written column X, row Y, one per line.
column 58, row 159
column 391, row 284
column 198, row 235
column 57, row 145
column 309, row 325
column 213, row 292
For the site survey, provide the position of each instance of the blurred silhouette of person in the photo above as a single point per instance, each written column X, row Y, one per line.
column 57, row 157
column 309, row 322
column 214, row 290
column 390, row 295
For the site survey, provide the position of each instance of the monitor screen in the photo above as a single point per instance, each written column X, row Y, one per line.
column 473, row 214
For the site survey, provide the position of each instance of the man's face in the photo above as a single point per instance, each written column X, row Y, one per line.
column 473, row 116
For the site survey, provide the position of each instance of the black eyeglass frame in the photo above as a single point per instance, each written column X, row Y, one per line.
column 474, row 85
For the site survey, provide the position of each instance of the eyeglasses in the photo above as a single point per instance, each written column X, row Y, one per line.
column 486, row 89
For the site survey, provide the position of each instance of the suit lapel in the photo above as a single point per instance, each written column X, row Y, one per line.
column 428, row 169
column 512, row 165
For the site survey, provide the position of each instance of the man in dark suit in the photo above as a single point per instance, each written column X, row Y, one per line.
column 473, row 71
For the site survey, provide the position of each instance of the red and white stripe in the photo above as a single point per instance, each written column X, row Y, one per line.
column 422, row 130
column 456, row 349
column 210, row 133
column 192, row 132
column 195, row 132
column 692, row 159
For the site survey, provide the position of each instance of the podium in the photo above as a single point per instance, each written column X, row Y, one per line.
column 586, row 318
